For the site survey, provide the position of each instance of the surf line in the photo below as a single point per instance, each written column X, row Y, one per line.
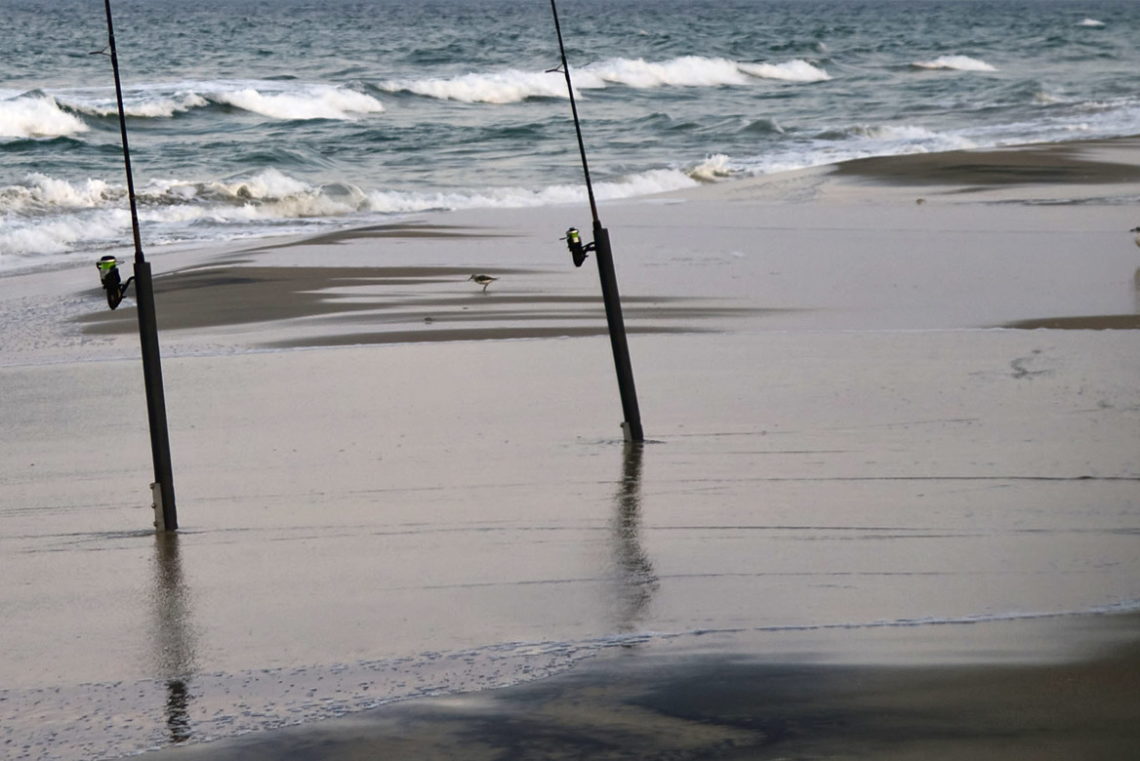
column 162, row 489
column 631, row 425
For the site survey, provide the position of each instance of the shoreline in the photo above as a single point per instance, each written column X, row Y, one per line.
column 1072, row 172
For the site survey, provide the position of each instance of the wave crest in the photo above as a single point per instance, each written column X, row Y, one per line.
column 269, row 99
column 509, row 86
column 797, row 70
column 954, row 63
column 40, row 194
column 153, row 107
column 37, row 116
column 514, row 86
column 318, row 102
column 46, row 216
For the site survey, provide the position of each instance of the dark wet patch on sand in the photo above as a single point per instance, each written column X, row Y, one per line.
column 352, row 301
column 464, row 334
column 412, row 230
column 735, row 707
column 1090, row 322
column 1051, row 163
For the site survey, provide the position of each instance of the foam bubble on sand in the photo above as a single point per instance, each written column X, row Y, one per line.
column 954, row 63
column 37, row 116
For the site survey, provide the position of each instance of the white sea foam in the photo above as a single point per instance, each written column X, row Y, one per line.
column 715, row 167
column 146, row 106
column 855, row 142
column 317, row 102
column 644, row 183
column 37, row 116
column 513, row 85
column 277, row 100
column 687, row 71
column 39, row 194
column 58, row 235
column 1090, row 22
column 954, row 63
column 46, row 217
column 791, row 71
column 509, row 86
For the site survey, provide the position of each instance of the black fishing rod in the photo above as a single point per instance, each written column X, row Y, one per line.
column 166, row 514
column 604, row 255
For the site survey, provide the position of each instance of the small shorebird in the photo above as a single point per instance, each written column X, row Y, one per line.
column 1137, row 231
column 483, row 280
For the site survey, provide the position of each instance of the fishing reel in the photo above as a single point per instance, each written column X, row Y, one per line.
column 112, row 281
column 578, row 250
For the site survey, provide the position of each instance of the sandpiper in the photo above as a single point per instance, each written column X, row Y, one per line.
column 1137, row 231
column 483, row 280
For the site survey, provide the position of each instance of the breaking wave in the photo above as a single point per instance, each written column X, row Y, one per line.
column 513, row 85
column 954, row 63
column 319, row 102
column 53, row 217
column 274, row 100
column 791, row 71
column 36, row 115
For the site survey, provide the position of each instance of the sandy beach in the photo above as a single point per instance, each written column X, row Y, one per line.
column 888, row 508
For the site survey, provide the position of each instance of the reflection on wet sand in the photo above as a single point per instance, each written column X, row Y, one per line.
column 174, row 637
column 636, row 580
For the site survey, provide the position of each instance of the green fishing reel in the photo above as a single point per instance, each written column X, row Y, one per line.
column 578, row 251
column 112, row 281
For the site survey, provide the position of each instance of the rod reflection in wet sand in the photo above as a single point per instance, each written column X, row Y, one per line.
column 174, row 640
column 636, row 580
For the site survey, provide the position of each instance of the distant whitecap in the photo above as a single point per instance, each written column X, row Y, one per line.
column 791, row 71
column 954, row 63
column 515, row 86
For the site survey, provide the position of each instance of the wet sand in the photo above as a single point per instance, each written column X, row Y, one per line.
column 646, row 705
column 1084, row 163
column 865, row 494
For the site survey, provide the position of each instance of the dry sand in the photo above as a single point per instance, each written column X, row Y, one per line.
column 870, row 517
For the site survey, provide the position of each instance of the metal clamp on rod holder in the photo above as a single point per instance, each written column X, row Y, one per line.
column 578, row 251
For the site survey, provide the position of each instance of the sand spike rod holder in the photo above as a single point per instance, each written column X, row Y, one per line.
column 601, row 248
column 166, row 514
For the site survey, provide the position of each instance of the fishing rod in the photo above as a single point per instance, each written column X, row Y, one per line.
column 166, row 514
column 631, row 426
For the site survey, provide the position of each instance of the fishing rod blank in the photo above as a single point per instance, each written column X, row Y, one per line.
column 166, row 514
column 604, row 255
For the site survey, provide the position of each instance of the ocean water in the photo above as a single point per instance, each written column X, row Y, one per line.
column 250, row 118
